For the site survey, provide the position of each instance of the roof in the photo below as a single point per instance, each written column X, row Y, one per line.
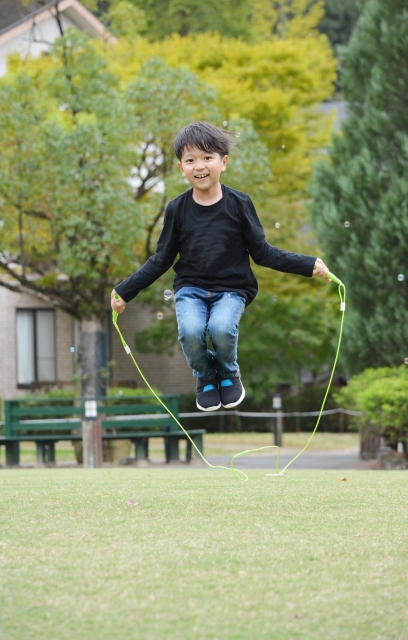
column 12, row 12
column 16, row 18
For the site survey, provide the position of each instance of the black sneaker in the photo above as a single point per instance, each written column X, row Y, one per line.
column 232, row 392
column 208, row 395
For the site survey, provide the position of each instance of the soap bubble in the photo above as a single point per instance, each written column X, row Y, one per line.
column 237, row 135
column 160, row 316
column 225, row 124
column 284, row 146
column 347, row 224
column 168, row 294
column 401, row 277
column 72, row 349
column 406, row 360
column 275, row 298
column 277, row 225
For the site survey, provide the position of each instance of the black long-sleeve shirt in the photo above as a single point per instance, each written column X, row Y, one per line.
column 214, row 244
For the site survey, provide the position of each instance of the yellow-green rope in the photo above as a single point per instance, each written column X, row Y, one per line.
column 237, row 472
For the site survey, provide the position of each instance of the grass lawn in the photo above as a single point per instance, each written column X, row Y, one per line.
column 203, row 556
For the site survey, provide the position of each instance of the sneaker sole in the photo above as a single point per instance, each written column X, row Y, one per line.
column 234, row 404
column 208, row 408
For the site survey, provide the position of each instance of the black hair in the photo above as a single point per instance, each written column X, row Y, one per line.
column 205, row 137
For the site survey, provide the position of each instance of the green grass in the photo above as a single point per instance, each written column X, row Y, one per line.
column 202, row 556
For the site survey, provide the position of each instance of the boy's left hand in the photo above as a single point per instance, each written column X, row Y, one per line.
column 321, row 270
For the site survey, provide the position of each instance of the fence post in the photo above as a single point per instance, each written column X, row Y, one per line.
column 277, row 406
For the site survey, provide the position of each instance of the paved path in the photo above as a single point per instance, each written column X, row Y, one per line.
column 341, row 460
column 348, row 459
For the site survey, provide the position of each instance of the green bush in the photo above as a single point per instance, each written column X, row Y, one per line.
column 382, row 394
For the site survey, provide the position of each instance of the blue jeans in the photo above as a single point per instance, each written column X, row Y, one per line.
column 200, row 312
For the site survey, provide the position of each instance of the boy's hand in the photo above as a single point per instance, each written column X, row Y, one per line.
column 321, row 270
column 117, row 305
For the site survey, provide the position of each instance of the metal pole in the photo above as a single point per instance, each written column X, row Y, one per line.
column 279, row 429
column 278, row 421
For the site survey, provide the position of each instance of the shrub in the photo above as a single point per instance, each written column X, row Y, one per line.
column 382, row 394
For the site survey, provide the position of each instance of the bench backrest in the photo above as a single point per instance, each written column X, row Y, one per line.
column 64, row 414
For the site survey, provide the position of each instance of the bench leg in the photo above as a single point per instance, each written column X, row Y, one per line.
column 171, row 446
column 142, row 449
column 40, row 452
column 45, row 452
column 12, row 454
column 51, row 452
column 198, row 441
column 189, row 450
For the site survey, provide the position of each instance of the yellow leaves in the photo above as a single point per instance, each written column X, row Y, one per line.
column 286, row 18
column 276, row 84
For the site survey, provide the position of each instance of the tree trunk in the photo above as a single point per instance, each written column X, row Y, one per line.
column 94, row 366
column 93, row 358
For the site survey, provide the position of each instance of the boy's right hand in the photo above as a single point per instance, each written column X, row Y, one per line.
column 117, row 305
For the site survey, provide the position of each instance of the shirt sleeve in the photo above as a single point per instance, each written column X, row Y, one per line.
column 156, row 265
column 266, row 255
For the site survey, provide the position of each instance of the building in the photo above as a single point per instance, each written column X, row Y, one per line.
column 30, row 30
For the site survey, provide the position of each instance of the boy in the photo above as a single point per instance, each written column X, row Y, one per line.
column 215, row 230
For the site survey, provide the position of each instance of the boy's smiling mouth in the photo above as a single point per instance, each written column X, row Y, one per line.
column 201, row 176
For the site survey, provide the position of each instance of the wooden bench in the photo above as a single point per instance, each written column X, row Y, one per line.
column 136, row 418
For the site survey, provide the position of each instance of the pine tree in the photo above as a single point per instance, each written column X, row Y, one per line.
column 360, row 207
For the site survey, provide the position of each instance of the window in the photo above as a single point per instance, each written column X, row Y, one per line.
column 35, row 346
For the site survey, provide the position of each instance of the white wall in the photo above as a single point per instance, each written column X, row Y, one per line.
column 33, row 41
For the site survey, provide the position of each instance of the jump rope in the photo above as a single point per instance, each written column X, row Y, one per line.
column 240, row 475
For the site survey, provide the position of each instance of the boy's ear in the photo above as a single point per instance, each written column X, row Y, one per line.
column 179, row 166
column 224, row 163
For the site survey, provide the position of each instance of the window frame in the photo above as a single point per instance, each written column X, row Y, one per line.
column 34, row 310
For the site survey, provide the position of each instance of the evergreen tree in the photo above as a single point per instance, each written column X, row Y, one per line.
column 360, row 207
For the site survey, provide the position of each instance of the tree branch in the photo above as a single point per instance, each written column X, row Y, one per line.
column 150, row 228
column 65, row 297
column 36, row 214
column 72, row 310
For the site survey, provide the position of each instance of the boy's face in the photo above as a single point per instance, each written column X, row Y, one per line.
column 202, row 169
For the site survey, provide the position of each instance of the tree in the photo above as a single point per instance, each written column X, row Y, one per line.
column 250, row 20
column 340, row 18
column 65, row 199
column 360, row 207
column 87, row 170
column 284, row 18
column 165, row 17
